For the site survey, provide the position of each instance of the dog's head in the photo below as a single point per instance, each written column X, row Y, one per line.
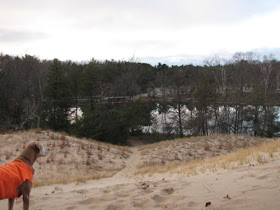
column 39, row 149
column 32, row 151
column 42, row 149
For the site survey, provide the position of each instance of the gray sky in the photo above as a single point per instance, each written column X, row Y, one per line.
column 166, row 31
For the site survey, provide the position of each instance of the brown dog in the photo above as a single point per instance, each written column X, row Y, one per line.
column 16, row 177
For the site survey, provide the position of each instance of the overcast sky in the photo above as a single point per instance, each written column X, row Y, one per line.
column 166, row 31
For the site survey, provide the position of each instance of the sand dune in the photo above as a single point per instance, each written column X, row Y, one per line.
column 70, row 159
column 248, row 186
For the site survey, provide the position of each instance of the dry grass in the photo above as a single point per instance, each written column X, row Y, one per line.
column 255, row 155
column 70, row 159
column 74, row 160
column 197, row 148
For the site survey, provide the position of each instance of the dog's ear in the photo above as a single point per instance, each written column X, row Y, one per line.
column 43, row 150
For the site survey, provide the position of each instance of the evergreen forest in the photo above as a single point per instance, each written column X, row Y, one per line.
column 119, row 99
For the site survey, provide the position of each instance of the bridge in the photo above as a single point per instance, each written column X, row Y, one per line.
column 112, row 99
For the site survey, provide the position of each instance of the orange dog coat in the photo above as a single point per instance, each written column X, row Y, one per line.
column 13, row 175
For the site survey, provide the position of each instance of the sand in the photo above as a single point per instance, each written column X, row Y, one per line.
column 245, row 187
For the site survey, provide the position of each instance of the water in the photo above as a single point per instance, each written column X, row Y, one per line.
column 168, row 122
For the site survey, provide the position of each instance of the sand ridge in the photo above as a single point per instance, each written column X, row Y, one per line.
column 250, row 186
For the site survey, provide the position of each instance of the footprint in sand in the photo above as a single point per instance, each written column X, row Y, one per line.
column 159, row 198
column 91, row 200
column 116, row 206
column 72, row 207
column 81, row 191
column 168, row 190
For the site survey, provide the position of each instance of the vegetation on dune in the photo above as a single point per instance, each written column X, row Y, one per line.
column 263, row 151
column 77, row 160
column 69, row 160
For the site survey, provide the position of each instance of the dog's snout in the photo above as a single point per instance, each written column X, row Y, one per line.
column 44, row 151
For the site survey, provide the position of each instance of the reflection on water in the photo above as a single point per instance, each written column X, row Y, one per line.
column 223, row 119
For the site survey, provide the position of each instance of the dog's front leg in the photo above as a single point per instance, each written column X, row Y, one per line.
column 25, row 202
column 11, row 203
column 26, row 189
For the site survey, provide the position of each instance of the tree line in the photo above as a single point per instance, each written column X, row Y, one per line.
column 238, row 95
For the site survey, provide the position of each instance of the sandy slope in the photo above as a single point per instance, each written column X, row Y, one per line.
column 247, row 187
column 70, row 158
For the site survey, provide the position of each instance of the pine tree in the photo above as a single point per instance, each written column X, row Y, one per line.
column 57, row 98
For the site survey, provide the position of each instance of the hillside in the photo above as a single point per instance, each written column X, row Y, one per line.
column 222, row 151
column 70, row 159
column 231, row 172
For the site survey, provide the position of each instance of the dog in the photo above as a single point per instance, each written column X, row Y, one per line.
column 16, row 177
